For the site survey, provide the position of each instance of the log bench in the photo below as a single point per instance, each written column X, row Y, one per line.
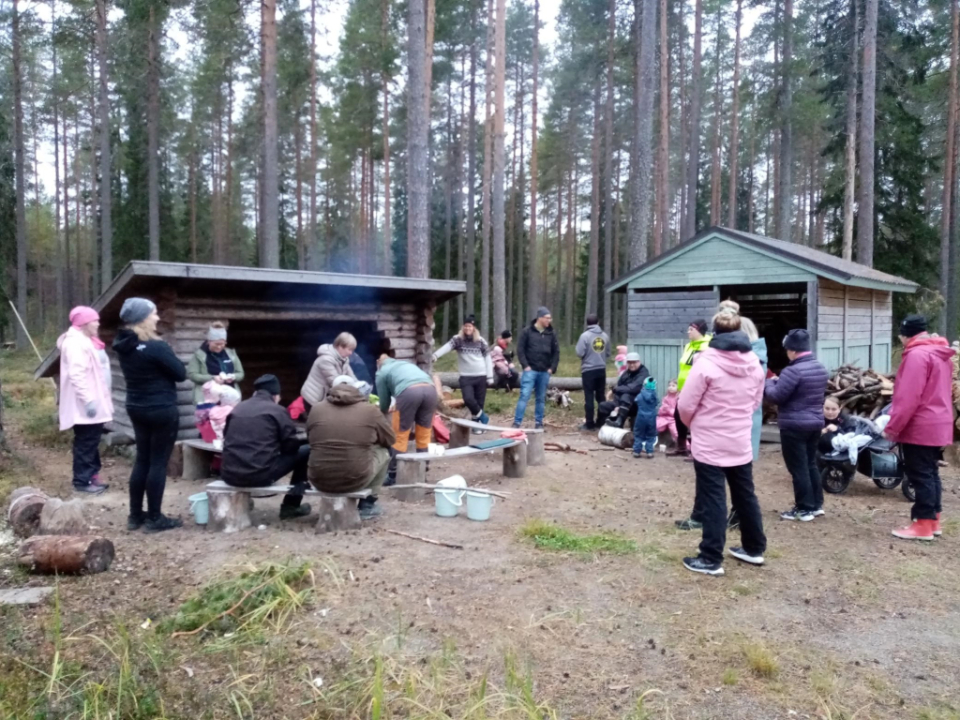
column 196, row 455
column 461, row 430
column 412, row 467
column 230, row 506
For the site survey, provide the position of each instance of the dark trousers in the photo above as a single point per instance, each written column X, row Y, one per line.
column 799, row 449
column 474, row 390
column 682, row 431
column 625, row 404
column 594, row 385
column 86, row 452
column 712, row 499
column 921, row 468
column 295, row 461
column 507, row 382
column 155, row 430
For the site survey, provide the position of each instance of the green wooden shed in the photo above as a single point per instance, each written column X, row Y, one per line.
column 846, row 307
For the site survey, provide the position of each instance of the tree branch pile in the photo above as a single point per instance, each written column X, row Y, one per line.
column 861, row 392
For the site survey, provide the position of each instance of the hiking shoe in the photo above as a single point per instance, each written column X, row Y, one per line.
column 538, row 426
column 919, row 530
column 638, row 455
column 161, row 523
column 587, row 427
column 89, row 488
column 135, row 522
column 797, row 514
column 515, row 426
column 688, row 524
column 818, row 512
column 740, row 554
column 369, row 512
column 290, row 512
column 699, row 565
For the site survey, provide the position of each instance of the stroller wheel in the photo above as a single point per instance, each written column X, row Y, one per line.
column 887, row 483
column 909, row 489
column 835, row 478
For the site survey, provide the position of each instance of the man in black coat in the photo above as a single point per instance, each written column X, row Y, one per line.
column 623, row 406
column 539, row 354
column 260, row 446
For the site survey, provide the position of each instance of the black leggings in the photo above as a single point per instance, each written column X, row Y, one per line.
column 156, row 432
column 682, row 431
column 474, row 389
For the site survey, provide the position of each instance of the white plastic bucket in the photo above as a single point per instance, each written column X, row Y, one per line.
column 615, row 437
column 200, row 507
column 479, row 505
column 449, row 500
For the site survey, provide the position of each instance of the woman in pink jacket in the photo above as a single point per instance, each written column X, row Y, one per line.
column 85, row 403
column 722, row 391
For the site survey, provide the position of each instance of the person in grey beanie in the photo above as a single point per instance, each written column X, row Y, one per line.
column 151, row 371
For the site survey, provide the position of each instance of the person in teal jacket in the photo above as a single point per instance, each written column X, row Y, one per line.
column 416, row 400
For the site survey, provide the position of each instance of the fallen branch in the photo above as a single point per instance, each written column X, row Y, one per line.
column 562, row 447
column 423, row 539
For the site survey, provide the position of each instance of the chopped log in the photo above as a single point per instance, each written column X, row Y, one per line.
column 535, row 452
column 515, row 461
column 229, row 511
column 67, row 554
column 23, row 514
column 63, row 517
column 338, row 513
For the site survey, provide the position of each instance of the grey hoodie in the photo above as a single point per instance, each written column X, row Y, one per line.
column 593, row 349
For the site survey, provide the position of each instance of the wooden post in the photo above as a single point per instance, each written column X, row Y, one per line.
column 411, row 471
column 515, row 461
column 229, row 511
column 196, row 463
column 175, row 463
column 338, row 513
column 459, row 436
column 536, row 455
column 813, row 312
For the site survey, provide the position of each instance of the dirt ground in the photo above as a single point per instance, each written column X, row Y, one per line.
column 843, row 621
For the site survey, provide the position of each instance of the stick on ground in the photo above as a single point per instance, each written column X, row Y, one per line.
column 423, row 539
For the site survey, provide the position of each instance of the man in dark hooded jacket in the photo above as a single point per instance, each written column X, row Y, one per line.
column 623, row 406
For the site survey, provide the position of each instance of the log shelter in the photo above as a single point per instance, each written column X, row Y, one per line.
column 846, row 307
column 276, row 320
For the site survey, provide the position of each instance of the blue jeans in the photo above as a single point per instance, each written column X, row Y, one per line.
column 531, row 381
column 644, row 433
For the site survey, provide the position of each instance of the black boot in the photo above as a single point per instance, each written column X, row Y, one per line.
column 291, row 512
column 391, row 470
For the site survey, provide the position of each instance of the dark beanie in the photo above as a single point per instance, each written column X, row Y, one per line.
column 506, row 334
column 700, row 325
column 542, row 311
column 913, row 325
column 797, row 340
column 270, row 383
column 470, row 320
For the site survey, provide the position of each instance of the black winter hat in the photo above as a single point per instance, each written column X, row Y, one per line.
column 913, row 325
column 797, row 340
column 506, row 334
column 270, row 383
column 470, row 320
column 700, row 325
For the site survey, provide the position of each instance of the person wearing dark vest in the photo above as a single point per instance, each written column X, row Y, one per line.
column 260, row 446
column 213, row 360
column 799, row 393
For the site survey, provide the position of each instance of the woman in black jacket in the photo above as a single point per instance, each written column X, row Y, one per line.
column 151, row 371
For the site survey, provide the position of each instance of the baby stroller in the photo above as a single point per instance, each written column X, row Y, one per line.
column 880, row 460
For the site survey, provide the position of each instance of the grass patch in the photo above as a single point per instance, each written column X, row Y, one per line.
column 730, row 677
column 549, row 536
column 760, row 660
column 941, row 712
column 742, row 590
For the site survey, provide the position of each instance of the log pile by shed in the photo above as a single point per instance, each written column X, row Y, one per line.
column 861, row 392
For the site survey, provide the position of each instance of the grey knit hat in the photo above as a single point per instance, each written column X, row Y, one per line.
column 136, row 310
column 542, row 311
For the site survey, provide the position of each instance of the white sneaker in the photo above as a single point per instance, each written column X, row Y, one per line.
column 740, row 554
column 818, row 512
column 796, row 514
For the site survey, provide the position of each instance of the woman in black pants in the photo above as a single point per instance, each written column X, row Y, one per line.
column 151, row 371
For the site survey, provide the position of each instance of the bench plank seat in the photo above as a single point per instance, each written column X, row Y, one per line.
column 411, row 467
column 460, row 437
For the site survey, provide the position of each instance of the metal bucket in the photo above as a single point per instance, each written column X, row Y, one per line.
column 616, row 437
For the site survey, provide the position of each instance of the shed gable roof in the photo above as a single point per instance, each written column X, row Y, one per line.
column 801, row 257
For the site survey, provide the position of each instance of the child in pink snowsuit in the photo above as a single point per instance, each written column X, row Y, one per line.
column 665, row 416
column 621, row 359
column 229, row 399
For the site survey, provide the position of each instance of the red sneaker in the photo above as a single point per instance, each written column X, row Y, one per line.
column 919, row 530
column 936, row 526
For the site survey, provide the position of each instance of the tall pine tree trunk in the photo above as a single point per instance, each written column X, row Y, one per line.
column 662, row 241
column 270, row 211
column 693, row 122
column 534, row 289
column 418, row 228
column 487, row 177
column 62, row 299
column 734, row 126
column 643, row 117
column 850, row 150
column 471, row 259
column 590, row 306
column 18, row 170
column 608, row 141
column 715, row 170
column 106, row 199
column 867, row 136
column 948, row 323
column 153, row 134
column 785, row 190
column 499, row 163
column 385, row 82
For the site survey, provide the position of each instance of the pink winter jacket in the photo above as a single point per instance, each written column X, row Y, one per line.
column 718, row 399
column 83, row 379
column 922, row 411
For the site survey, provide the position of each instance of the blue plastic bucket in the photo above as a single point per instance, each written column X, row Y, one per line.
column 478, row 505
column 448, row 502
column 200, row 508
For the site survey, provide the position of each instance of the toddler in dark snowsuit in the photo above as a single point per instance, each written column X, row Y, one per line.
column 645, row 426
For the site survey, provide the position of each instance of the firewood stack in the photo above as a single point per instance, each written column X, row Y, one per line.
column 861, row 392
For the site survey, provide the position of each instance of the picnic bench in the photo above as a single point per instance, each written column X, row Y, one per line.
column 230, row 506
column 195, row 457
column 461, row 430
column 412, row 467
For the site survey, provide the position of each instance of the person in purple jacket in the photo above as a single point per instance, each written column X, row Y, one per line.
column 798, row 394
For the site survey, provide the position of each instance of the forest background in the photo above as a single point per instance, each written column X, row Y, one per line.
column 463, row 139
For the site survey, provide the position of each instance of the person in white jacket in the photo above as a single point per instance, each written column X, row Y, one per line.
column 474, row 365
column 85, row 403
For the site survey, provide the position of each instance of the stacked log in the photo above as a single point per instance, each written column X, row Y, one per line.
column 861, row 392
column 23, row 513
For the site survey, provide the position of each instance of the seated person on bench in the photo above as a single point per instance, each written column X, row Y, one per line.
column 260, row 446
column 350, row 442
column 623, row 406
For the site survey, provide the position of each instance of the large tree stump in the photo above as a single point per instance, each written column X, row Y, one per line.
column 63, row 517
column 23, row 513
column 515, row 461
column 536, row 454
column 229, row 511
column 66, row 554
column 459, row 436
column 411, row 471
column 338, row 513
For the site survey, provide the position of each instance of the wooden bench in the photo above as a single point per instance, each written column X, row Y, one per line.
column 230, row 506
column 411, row 467
column 460, row 437
column 196, row 456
